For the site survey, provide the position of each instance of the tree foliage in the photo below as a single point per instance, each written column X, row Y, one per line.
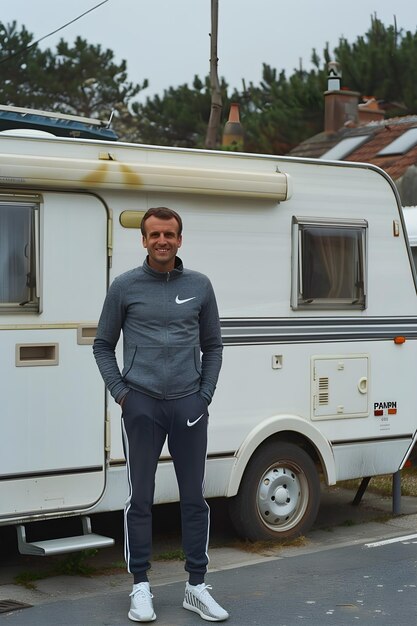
column 382, row 63
column 277, row 114
column 280, row 110
column 85, row 80
column 177, row 118
column 21, row 68
column 82, row 79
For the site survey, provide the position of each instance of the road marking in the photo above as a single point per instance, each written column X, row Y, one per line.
column 377, row 544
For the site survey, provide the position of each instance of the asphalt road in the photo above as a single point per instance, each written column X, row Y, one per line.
column 331, row 577
column 356, row 584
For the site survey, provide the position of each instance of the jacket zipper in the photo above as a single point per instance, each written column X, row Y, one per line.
column 165, row 364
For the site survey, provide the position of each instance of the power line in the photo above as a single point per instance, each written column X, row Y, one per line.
column 35, row 43
column 68, row 23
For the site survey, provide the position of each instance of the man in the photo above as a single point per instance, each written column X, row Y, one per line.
column 169, row 317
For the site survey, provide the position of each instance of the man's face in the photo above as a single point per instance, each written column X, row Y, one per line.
column 162, row 242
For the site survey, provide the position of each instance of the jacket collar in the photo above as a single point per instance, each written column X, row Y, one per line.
column 175, row 273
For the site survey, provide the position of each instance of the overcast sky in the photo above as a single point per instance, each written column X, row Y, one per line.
column 167, row 41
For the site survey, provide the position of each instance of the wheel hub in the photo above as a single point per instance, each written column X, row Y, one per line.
column 281, row 496
column 280, row 499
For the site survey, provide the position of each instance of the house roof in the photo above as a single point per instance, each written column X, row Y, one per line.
column 379, row 135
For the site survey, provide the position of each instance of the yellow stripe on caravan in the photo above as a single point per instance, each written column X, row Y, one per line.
column 130, row 176
column 97, row 176
column 110, row 173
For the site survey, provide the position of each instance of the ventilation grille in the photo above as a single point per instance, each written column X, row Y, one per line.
column 323, row 391
column 12, row 605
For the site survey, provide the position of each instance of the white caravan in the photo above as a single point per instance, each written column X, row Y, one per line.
column 410, row 216
column 316, row 291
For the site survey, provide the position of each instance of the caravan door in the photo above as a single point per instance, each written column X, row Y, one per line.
column 53, row 264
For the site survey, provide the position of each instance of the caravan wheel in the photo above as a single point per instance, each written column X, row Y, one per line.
column 279, row 495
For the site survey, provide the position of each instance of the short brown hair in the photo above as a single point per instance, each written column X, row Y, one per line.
column 163, row 213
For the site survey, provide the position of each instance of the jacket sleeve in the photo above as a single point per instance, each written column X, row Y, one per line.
column 108, row 333
column 211, row 345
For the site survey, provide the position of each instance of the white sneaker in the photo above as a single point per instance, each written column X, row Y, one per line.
column 198, row 599
column 141, row 606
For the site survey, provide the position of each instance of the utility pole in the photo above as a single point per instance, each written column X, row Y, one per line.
column 216, row 96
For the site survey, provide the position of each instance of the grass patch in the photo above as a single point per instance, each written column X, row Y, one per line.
column 75, row 564
column 259, row 547
column 107, row 570
column 382, row 518
column 348, row 522
column 118, row 565
column 28, row 579
column 409, row 481
column 171, row 555
column 382, row 485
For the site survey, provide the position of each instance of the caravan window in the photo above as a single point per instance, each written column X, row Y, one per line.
column 414, row 253
column 329, row 263
column 19, row 256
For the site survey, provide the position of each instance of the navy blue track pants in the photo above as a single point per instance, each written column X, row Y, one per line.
column 146, row 423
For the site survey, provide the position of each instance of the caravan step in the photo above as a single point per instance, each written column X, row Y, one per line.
column 86, row 541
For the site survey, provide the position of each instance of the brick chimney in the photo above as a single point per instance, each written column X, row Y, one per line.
column 340, row 105
column 369, row 111
column 233, row 130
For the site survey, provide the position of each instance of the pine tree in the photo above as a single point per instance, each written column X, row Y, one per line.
column 178, row 118
column 21, row 68
column 277, row 114
column 82, row 79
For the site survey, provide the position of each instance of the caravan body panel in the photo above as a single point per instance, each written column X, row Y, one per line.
column 302, row 366
column 52, row 445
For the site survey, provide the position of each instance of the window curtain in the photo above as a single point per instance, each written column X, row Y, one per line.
column 15, row 252
column 337, row 254
column 331, row 263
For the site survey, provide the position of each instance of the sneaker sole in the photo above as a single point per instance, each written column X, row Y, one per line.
column 208, row 618
column 136, row 619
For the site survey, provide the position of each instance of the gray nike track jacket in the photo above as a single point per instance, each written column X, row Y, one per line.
column 172, row 343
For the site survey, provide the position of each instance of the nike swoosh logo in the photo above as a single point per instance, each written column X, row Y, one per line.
column 195, row 421
column 178, row 301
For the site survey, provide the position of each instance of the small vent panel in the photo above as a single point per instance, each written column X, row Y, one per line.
column 339, row 386
column 323, row 391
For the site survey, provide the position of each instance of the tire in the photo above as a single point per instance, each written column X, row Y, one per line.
column 279, row 495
